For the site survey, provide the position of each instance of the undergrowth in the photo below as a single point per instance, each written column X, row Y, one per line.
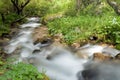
column 77, row 29
column 20, row 71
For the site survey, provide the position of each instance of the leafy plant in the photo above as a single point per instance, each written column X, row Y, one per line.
column 111, row 32
column 74, row 28
column 21, row 71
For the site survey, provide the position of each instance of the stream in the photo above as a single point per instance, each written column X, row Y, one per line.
column 57, row 62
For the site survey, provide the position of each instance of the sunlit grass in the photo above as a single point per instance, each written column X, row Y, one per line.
column 79, row 28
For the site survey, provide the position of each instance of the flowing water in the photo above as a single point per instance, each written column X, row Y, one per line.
column 62, row 64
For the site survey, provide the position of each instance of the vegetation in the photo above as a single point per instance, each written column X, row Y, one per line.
column 96, row 19
column 82, row 27
column 9, row 11
column 20, row 71
column 76, row 20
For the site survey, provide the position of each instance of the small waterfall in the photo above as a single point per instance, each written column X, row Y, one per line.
column 57, row 62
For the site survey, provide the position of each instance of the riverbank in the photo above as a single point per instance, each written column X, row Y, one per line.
column 41, row 49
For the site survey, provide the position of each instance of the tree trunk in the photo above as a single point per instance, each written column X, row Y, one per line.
column 3, row 17
column 78, row 5
column 19, row 7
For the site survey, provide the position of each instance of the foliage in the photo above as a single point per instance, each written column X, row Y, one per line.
column 9, row 19
column 111, row 31
column 5, row 6
column 92, row 18
column 45, row 7
column 73, row 28
column 4, row 29
column 38, row 7
column 21, row 71
column 82, row 27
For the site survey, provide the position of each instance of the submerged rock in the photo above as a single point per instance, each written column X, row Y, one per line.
column 101, row 71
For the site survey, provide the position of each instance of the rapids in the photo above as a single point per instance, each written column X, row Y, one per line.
column 62, row 63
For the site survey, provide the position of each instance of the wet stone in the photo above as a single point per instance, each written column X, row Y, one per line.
column 47, row 41
column 36, row 51
column 93, row 38
column 101, row 57
column 90, row 74
column 101, row 71
column 117, row 56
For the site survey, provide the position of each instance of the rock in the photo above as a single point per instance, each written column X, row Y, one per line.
column 101, row 57
column 40, row 33
column 117, row 56
column 116, row 59
column 105, row 44
column 43, row 43
column 90, row 74
column 36, row 51
column 82, row 55
column 101, row 71
column 75, row 45
column 58, row 37
column 47, row 41
column 5, row 35
column 3, row 42
column 13, row 32
column 3, row 54
column 93, row 38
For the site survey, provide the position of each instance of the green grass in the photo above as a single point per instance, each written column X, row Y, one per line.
column 20, row 71
column 79, row 28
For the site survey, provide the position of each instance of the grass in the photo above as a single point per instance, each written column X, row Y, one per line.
column 19, row 71
column 77, row 29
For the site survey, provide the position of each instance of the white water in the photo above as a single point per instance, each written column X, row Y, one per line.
column 63, row 65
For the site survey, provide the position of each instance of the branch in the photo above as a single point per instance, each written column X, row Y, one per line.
column 3, row 17
column 15, row 4
column 18, row 20
column 22, row 6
